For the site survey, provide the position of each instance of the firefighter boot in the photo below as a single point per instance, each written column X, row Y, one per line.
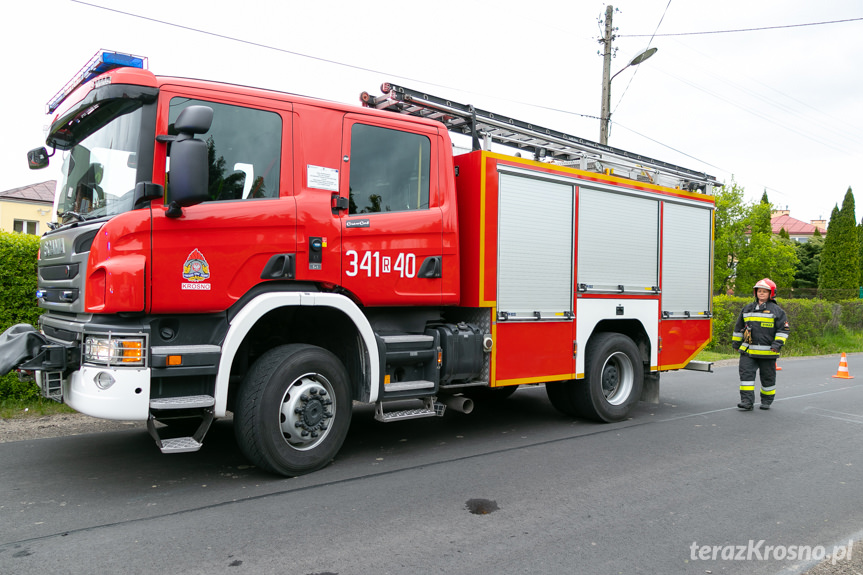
column 747, row 396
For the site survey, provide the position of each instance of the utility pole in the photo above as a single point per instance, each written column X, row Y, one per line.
column 606, row 76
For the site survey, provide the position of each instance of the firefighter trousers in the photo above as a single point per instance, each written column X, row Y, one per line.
column 767, row 368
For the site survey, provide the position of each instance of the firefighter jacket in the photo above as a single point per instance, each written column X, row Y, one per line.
column 760, row 330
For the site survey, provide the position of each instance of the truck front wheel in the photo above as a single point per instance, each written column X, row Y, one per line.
column 293, row 409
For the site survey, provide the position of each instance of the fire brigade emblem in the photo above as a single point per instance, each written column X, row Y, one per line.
column 196, row 268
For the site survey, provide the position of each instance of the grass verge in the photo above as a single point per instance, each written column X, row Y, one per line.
column 22, row 408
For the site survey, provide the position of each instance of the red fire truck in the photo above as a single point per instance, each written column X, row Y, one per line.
column 223, row 249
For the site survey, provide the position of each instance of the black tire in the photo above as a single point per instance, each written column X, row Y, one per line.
column 560, row 395
column 293, row 410
column 614, row 377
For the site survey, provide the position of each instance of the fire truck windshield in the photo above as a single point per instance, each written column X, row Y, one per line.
column 99, row 164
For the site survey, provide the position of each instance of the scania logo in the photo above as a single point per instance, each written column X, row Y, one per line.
column 357, row 223
column 52, row 248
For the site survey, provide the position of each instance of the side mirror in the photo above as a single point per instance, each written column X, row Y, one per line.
column 189, row 173
column 189, row 163
column 38, row 158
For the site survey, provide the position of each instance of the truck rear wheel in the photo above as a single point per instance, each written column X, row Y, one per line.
column 293, row 410
column 612, row 384
column 560, row 395
column 614, row 377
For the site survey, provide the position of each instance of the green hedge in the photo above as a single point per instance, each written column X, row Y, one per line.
column 810, row 320
column 18, row 254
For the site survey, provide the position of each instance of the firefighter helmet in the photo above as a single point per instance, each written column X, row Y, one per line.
column 767, row 284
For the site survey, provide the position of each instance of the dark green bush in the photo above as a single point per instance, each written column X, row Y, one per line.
column 18, row 253
column 852, row 315
column 810, row 320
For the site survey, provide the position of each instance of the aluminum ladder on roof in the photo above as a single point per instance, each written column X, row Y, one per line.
column 544, row 143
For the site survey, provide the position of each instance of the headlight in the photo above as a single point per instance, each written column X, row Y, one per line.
column 114, row 350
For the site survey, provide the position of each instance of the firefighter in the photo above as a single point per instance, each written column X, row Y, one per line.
column 759, row 334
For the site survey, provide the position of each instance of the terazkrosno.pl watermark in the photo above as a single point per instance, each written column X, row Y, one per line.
column 760, row 551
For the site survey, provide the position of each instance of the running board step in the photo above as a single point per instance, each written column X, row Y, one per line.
column 186, row 402
column 180, row 445
column 407, row 385
column 430, row 408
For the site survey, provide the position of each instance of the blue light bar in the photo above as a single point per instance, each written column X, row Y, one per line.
column 102, row 62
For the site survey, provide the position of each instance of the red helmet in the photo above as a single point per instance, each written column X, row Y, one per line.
column 766, row 283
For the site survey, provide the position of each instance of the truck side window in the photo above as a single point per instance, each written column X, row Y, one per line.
column 244, row 148
column 389, row 170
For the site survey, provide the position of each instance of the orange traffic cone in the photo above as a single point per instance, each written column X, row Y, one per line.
column 842, row 372
column 778, row 368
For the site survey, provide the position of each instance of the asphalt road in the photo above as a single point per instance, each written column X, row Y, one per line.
column 681, row 480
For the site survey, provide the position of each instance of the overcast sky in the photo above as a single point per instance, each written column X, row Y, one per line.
column 776, row 109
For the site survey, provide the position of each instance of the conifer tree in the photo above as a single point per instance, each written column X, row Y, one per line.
column 839, row 272
column 860, row 252
column 828, row 271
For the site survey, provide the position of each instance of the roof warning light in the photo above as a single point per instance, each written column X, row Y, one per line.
column 103, row 61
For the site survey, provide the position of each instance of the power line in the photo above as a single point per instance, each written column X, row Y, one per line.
column 739, row 30
column 249, row 42
column 325, row 60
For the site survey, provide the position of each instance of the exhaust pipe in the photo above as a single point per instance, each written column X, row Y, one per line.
column 458, row 403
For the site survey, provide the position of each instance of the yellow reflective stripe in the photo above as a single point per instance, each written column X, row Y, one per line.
column 768, row 391
column 736, row 338
column 747, row 388
column 762, row 352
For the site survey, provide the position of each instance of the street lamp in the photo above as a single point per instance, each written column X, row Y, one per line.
column 606, row 86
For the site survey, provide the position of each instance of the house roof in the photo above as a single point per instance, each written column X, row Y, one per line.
column 792, row 226
column 40, row 193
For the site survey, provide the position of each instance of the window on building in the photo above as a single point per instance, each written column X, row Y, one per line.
column 389, row 170
column 243, row 147
column 26, row 226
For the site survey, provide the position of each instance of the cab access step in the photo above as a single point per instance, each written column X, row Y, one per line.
column 180, row 409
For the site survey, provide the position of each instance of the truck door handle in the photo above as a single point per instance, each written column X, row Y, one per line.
column 431, row 267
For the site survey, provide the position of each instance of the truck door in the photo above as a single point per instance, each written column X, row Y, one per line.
column 217, row 250
column 392, row 247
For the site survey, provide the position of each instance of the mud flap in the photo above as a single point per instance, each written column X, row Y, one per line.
column 650, row 388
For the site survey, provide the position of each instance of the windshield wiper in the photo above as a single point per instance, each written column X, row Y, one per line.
column 70, row 214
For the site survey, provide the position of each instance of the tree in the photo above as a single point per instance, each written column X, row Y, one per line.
column 765, row 255
column 809, row 256
column 784, row 234
column 729, row 234
column 860, row 252
column 839, row 272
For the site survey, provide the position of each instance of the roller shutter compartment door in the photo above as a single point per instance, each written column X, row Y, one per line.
column 686, row 260
column 618, row 239
column 535, row 237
